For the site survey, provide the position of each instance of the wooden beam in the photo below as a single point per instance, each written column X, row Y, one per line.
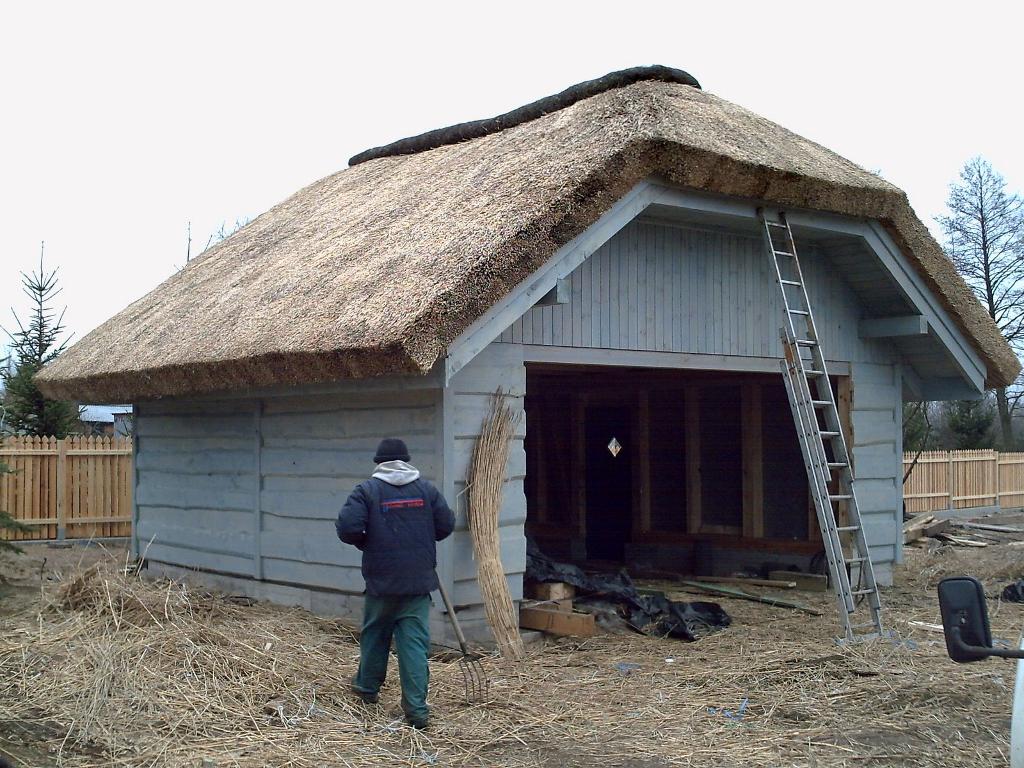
column 560, row 294
column 550, row 590
column 642, row 465
column 579, row 460
column 557, row 622
column 753, row 462
column 257, row 511
column 891, row 327
column 691, row 432
column 540, row 353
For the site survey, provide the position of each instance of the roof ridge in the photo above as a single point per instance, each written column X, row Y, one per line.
column 460, row 132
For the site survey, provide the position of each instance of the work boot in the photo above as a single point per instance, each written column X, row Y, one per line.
column 363, row 696
column 419, row 723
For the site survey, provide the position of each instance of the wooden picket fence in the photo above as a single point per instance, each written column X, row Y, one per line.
column 75, row 488
column 964, row 480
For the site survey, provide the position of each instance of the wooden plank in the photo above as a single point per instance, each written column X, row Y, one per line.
column 808, row 582
column 558, row 622
column 742, row 580
column 985, row 526
column 62, row 480
column 740, row 594
column 565, row 606
column 889, row 327
column 555, row 590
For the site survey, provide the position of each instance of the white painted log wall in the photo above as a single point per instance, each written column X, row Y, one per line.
column 199, row 495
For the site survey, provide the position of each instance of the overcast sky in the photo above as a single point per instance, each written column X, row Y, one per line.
column 122, row 122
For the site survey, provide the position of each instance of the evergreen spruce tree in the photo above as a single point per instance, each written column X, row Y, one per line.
column 8, row 523
column 970, row 423
column 33, row 345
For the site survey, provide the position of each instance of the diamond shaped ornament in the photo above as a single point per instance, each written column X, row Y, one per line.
column 614, row 447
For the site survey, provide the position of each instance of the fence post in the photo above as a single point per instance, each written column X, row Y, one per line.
column 999, row 501
column 952, row 477
column 62, row 474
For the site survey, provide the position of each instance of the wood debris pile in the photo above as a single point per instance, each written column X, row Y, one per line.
column 926, row 530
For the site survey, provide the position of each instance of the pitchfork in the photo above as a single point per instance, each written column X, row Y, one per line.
column 473, row 676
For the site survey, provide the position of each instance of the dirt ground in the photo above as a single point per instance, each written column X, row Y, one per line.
column 113, row 670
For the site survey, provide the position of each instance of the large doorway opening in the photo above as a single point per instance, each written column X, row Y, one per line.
column 693, row 471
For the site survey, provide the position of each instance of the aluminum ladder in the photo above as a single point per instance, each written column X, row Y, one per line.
column 810, row 395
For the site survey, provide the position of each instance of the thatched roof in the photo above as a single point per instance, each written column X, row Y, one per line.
column 376, row 269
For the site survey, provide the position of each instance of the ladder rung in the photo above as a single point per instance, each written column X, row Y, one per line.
column 862, row 592
column 775, row 224
column 806, row 343
column 783, row 253
column 799, row 312
column 829, row 433
column 821, row 403
column 791, row 282
column 837, row 465
column 853, row 560
column 812, row 372
column 840, row 497
column 847, row 528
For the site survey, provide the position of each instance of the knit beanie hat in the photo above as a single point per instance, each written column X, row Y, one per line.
column 391, row 449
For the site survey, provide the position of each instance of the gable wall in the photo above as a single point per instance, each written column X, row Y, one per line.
column 667, row 288
column 659, row 287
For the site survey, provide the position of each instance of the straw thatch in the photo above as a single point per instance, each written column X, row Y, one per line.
column 376, row 269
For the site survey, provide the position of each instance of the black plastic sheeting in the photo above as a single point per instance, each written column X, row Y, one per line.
column 649, row 614
column 1014, row 593
column 477, row 128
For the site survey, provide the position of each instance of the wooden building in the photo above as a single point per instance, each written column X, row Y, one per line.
column 597, row 257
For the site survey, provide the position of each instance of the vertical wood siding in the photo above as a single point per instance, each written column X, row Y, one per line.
column 664, row 288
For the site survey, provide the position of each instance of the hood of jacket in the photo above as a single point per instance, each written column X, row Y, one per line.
column 396, row 473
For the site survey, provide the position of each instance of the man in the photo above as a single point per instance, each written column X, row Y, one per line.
column 395, row 518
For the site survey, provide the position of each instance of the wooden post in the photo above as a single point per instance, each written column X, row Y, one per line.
column 642, row 467
column 62, row 479
column 753, row 462
column 995, row 457
column 579, row 452
column 257, row 513
column 952, row 477
column 133, row 480
column 691, row 403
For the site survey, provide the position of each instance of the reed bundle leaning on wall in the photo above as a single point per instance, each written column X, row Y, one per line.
column 486, row 484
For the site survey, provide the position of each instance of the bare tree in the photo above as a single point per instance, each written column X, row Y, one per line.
column 985, row 240
column 223, row 233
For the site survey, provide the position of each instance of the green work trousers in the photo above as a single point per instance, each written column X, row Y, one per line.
column 404, row 617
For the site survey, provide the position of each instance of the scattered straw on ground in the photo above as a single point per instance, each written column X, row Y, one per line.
column 115, row 670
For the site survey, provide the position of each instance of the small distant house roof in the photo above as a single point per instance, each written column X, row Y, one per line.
column 378, row 268
column 101, row 414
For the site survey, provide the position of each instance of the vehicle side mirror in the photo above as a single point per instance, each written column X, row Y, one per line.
column 965, row 619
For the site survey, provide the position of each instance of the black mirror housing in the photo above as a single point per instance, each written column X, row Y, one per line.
column 965, row 619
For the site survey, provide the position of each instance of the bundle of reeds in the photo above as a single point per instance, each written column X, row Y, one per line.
column 486, row 484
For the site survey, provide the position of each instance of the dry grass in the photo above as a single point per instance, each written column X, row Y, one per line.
column 133, row 672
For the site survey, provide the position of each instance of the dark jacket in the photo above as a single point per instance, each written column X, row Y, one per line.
column 396, row 527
